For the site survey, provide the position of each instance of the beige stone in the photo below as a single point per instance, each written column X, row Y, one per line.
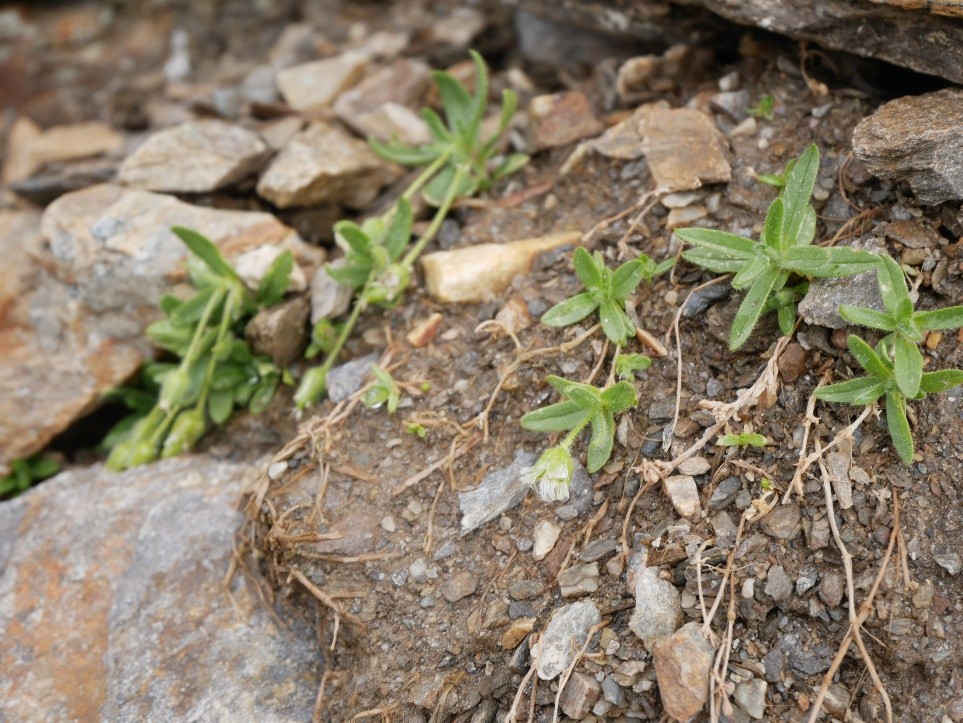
column 29, row 148
column 684, row 149
column 477, row 273
column 315, row 85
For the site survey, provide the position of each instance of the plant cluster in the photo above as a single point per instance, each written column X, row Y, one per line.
column 24, row 473
column 379, row 259
column 784, row 251
column 215, row 370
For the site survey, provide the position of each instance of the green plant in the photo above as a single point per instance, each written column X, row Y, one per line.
column 25, row 472
column 906, row 327
column 582, row 405
column 384, row 391
column 215, row 371
column 764, row 267
column 605, row 290
column 763, row 109
column 379, row 259
column 416, row 429
column 745, row 439
column 626, row 365
column 882, row 379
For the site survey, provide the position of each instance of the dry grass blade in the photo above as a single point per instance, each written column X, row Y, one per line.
column 327, row 600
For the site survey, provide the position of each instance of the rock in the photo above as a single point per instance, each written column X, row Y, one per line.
column 658, row 608
column 648, row 74
column 782, row 523
column 694, row 466
column 562, row 118
column 580, row 695
column 685, row 216
column 329, row 299
column 119, row 577
column 459, row 586
column 838, row 466
column 622, row 141
column 806, row 580
column 116, row 246
column 525, row 589
column 280, row 332
column 912, row 234
column 45, row 186
column 579, row 580
column 476, row 273
column 252, row 265
column 195, row 157
column 820, row 305
column 514, row 316
column 565, row 633
column 277, row 133
column 346, row 379
column 684, row 495
column 734, row 104
column 683, row 662
column 377, row 106
column 915, row 139
column 684, row 149
column 778, row 584
column 751, row 697
column 29, row 148
column 393, row 121
column 425, row 331
column 950, row 561
column 517, row 632
column 831, row 589
column 703, row 299
column 499, row 491
column 315, row 85
column 457, row 28
column 323, row 164
column 545, row 536
column 793, row 363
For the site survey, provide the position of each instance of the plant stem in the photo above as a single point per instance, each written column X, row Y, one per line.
column 573, row 434
column 440, row 214
column 426, row 175
column 222, row 330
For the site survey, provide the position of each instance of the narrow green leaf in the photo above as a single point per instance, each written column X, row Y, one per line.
column 898, row 425
column 438, row 130
column 892, row 284
column 587, row 269
column 455, row 101
column 786, row 316
column 627, row 277
column 405, row 155
column 868, row 358
column 752, row 306
column 772, row 234
column 949, row 318
column 799, row 188
column 807, row 229
column 620, row 398
column 169, row 303
column 750, row 272
column 220, row 405
column 717, row 261
column 559, row 417
column 907, row 366
column 353, row 276
column 612, row 323
column 264, row 393
column 861, row 391
column 354, row 237
column 867, row 317
column 941, row 381
column 480, row 101
column 627, row 364
column 439, row 186
column 189, row 312
column 603, row 438
column 510, row 165
column 274, row 283
column 399, row 232
column 586, row 395
column 44, row 467
column 722, row 242
column 204, row 249
column 570, row 311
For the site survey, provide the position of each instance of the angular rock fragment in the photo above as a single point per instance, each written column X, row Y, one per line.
column 562, row 118
column 29, row 148
column 315, row 85
column 684, row 149
column 195, row 157
column 563, row 636
column 917, row 139
column 658, row 607
column 499, row 491
column 476, row 273
column 323, row 164
column 112, row 605
column 403, row 82
column 683, row 662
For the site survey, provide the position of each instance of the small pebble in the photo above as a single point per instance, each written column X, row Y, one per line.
column 276, row 471
column 545, row 536
column 388, row 524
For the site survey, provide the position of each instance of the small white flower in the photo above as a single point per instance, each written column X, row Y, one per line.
column 551, row 474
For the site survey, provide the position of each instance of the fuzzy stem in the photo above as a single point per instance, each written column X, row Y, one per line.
column 426, row 175
column 436, row 221
column 573, row 435
column 222, row 330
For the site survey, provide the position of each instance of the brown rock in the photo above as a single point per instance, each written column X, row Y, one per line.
column 683, row 662
column 622, row 141
column 562, row 118
column 404, row 81
column 424, row 332
column 323, row 164
column 517, row 632
column 476, row 273
column 29, row 148
column 580, row 694
column 280, row 332
column 684, row 149
column 782, row 523
column 793, row 363
column 195, row 157
column 313, row 86
column 112, row 605
column 916, row 139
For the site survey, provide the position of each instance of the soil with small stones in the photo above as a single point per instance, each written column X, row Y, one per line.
column 427, row 609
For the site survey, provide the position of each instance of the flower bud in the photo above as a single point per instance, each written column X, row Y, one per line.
column 174, row 388
column 184, row 433
column 551, row 475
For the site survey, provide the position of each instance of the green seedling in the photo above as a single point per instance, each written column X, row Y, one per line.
column 906, row 327
column 378, row 255
column 457, row 160
column 883, row 380
column 215, row 371
column 384, row 391
column 605, row 290
column 24, row 473
column 324, row 335
column 626, row 365
column 582, row 405
column 764, row 267
column 746, row 439
column 763, row 109
column 417, row 429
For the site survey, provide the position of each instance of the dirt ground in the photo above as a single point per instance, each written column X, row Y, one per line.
column 424, row 609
